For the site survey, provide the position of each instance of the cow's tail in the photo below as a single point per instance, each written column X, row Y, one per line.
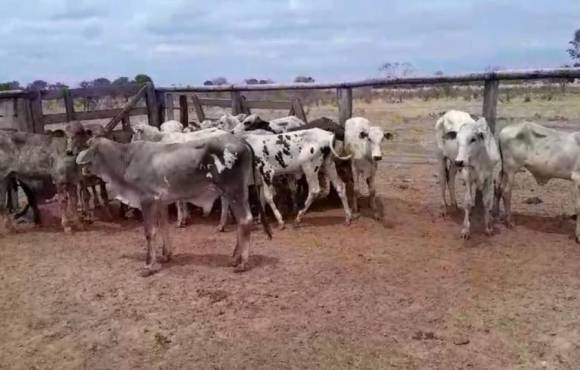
column 332, row 140
column 261, row 210
column 498, row 188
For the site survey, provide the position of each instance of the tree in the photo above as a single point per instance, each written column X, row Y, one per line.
column 37, row 85
column 85, row 84
column 266, row 82
column 304, row 79
column 251, row 81
column 219, row 81
column 439, row 73
column 121, row 81
column 57, row 86
column 101, row 82
column 142, row 79
column 397, row 69
column 207, row 83
column 493, row 68
column 10, row 85
column 574, row 50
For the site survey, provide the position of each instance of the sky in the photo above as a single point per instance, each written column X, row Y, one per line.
column 184, row 42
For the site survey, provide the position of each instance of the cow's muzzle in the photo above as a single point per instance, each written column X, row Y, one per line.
column 377, row 158
column 459, row 164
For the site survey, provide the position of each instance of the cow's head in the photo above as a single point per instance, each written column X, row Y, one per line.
column 76, row 138
column 372, row 137
column 228, row 122
column 86, row 158
column 144, row 132
column 470, row 143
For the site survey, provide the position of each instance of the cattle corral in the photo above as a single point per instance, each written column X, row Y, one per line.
column 406, row 292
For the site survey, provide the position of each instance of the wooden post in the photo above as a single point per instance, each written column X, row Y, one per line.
column 198, row 108
column 183, row 110
column 24, row 115
column 152, row 107
column 244, row 105
column 344, row 96
column 36, row 112
column 169, row 112
column 161, row 105
column 490, row 93
column 68, row 105
column 297, row 109
column 236, row 103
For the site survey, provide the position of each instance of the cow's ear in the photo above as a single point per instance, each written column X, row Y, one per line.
column 480, row 135
column 363, row 135
column 388, row 135
column 451, row 135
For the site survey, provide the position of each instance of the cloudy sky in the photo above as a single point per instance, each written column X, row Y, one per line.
column 187, row 41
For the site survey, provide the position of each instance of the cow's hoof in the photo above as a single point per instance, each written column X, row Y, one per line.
column 68, row 230
column 355, row 215
column 148, row 271
column 235, row 261
column 577, row 239
column 282, row 226
column 180, row 225
column 489, row 232
column 510, row 224
column 220, row 228
column 465, row 234
column 242, row 267
column 164, row 258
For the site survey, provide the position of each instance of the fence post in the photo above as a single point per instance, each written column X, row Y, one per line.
column 24, row 115
column 344, row 96
column 237, row 103
column 68, row 105
column 169, row 107
column 198, row 108
column 490, row 93
column 36, row 112
column 183, row 110
column 297, row 109
column 161, row 104
column 152, row 107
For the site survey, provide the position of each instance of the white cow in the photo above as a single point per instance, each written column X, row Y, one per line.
column 305, row 151
column 478, row 159
column 171, row 126
column 546, row 153
column 446, row 130
column 363, row 142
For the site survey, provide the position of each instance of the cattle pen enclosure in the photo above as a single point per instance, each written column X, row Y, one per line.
column 404, row 293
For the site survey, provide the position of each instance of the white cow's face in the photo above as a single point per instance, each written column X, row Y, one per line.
column 371, row 139
column 470, row 142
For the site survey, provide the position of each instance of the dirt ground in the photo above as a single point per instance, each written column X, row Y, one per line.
column 404, row 293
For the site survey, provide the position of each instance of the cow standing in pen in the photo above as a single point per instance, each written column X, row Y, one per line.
column 363, row 142
column 473, row 150
column 151, row 175
column 546, row 153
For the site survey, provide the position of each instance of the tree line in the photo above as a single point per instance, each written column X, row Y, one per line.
column 39, row 85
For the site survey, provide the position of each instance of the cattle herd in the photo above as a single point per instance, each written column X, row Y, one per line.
column 237, row 159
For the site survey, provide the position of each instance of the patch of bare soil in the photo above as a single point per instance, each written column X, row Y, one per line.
column 405, row 293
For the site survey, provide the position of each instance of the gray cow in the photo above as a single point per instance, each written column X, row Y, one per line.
column 150, row 176
column 28, row 157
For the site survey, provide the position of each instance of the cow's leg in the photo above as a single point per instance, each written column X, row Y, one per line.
column 85, row 196
column 339, row 186
column 105, row 198
column 451, row 186
column 62, row 196
column 182, row 213
column 96, row 200
column 150, row 213
column 73, row 201
column 507, row 184
column 167, row 250
column 467, row 206
column 355, row 189
column 373, row 192
column 241, row 210
column 4, row 216
column 313, row 189
column 443, row 180
column 488, row 197
column 33, row 203
column 225, row 205
column 325, row 184
column 293, row 188
column 268, row 192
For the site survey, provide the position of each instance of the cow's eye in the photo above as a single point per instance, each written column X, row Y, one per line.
column 472, row 140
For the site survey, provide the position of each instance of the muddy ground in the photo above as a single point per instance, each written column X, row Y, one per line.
column 404, row 293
